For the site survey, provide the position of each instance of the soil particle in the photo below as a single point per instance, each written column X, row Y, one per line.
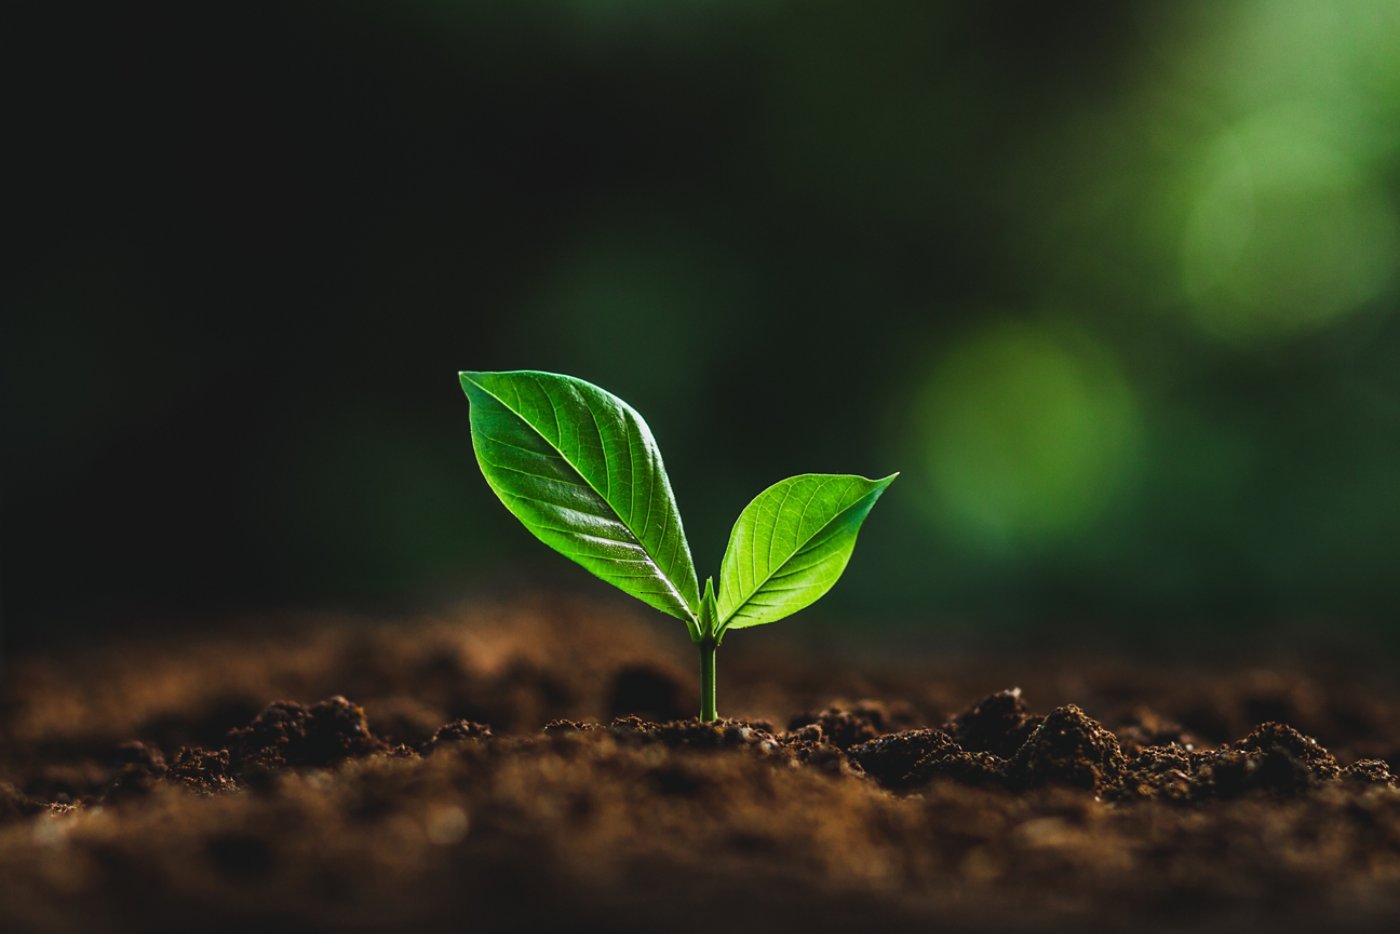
column 719, row 734
column 1069, row 748
column 1230, row 773
column 808, row 746
column 1368, row 772
column 290, row 734
column 1274, row 758
column 1160, row 772
column 1279, row 738
column 204, row 771
column 845, row 728
column 284, row 735
column 458, row 731
column 891, row 759
column 826, row 758
column 981, row 769
column 999, row 724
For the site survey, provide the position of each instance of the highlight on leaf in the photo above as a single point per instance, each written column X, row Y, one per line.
column 581, row 470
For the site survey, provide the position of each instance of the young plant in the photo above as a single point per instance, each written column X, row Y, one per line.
column 579, row 467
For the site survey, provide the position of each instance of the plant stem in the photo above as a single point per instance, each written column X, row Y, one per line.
column 707, row 680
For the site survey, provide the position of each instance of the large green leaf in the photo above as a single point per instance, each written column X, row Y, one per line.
column 791, row 544
column 579, row 467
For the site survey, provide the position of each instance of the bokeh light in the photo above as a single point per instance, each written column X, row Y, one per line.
column 1027, row 431
column 1286, row 233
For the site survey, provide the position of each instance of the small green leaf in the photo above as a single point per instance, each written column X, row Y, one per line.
column 709, row 612
column 791, row 544
column 579, row 467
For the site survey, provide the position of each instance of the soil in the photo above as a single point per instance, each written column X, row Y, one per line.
column 523, row 767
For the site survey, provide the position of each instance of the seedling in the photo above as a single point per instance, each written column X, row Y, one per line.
column 579, row 467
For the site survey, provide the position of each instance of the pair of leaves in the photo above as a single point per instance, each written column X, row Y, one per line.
column 581, row 470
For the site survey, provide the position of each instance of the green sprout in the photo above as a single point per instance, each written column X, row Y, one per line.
column 580, row 468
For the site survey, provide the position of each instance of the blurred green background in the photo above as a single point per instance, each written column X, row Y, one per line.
column 1113, row 284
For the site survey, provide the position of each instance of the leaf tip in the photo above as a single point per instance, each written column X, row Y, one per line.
column 469, row 380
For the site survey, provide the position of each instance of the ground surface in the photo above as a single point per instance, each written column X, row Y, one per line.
column 530, row 767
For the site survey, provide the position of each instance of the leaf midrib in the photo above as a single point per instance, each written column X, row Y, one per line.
column 671, row 585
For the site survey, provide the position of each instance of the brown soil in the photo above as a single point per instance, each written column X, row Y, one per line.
column 532, row 767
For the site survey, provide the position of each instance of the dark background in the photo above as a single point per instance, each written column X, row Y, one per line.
column 1113, row 284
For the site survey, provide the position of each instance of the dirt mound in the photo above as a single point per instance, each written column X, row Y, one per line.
column 148, row 799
